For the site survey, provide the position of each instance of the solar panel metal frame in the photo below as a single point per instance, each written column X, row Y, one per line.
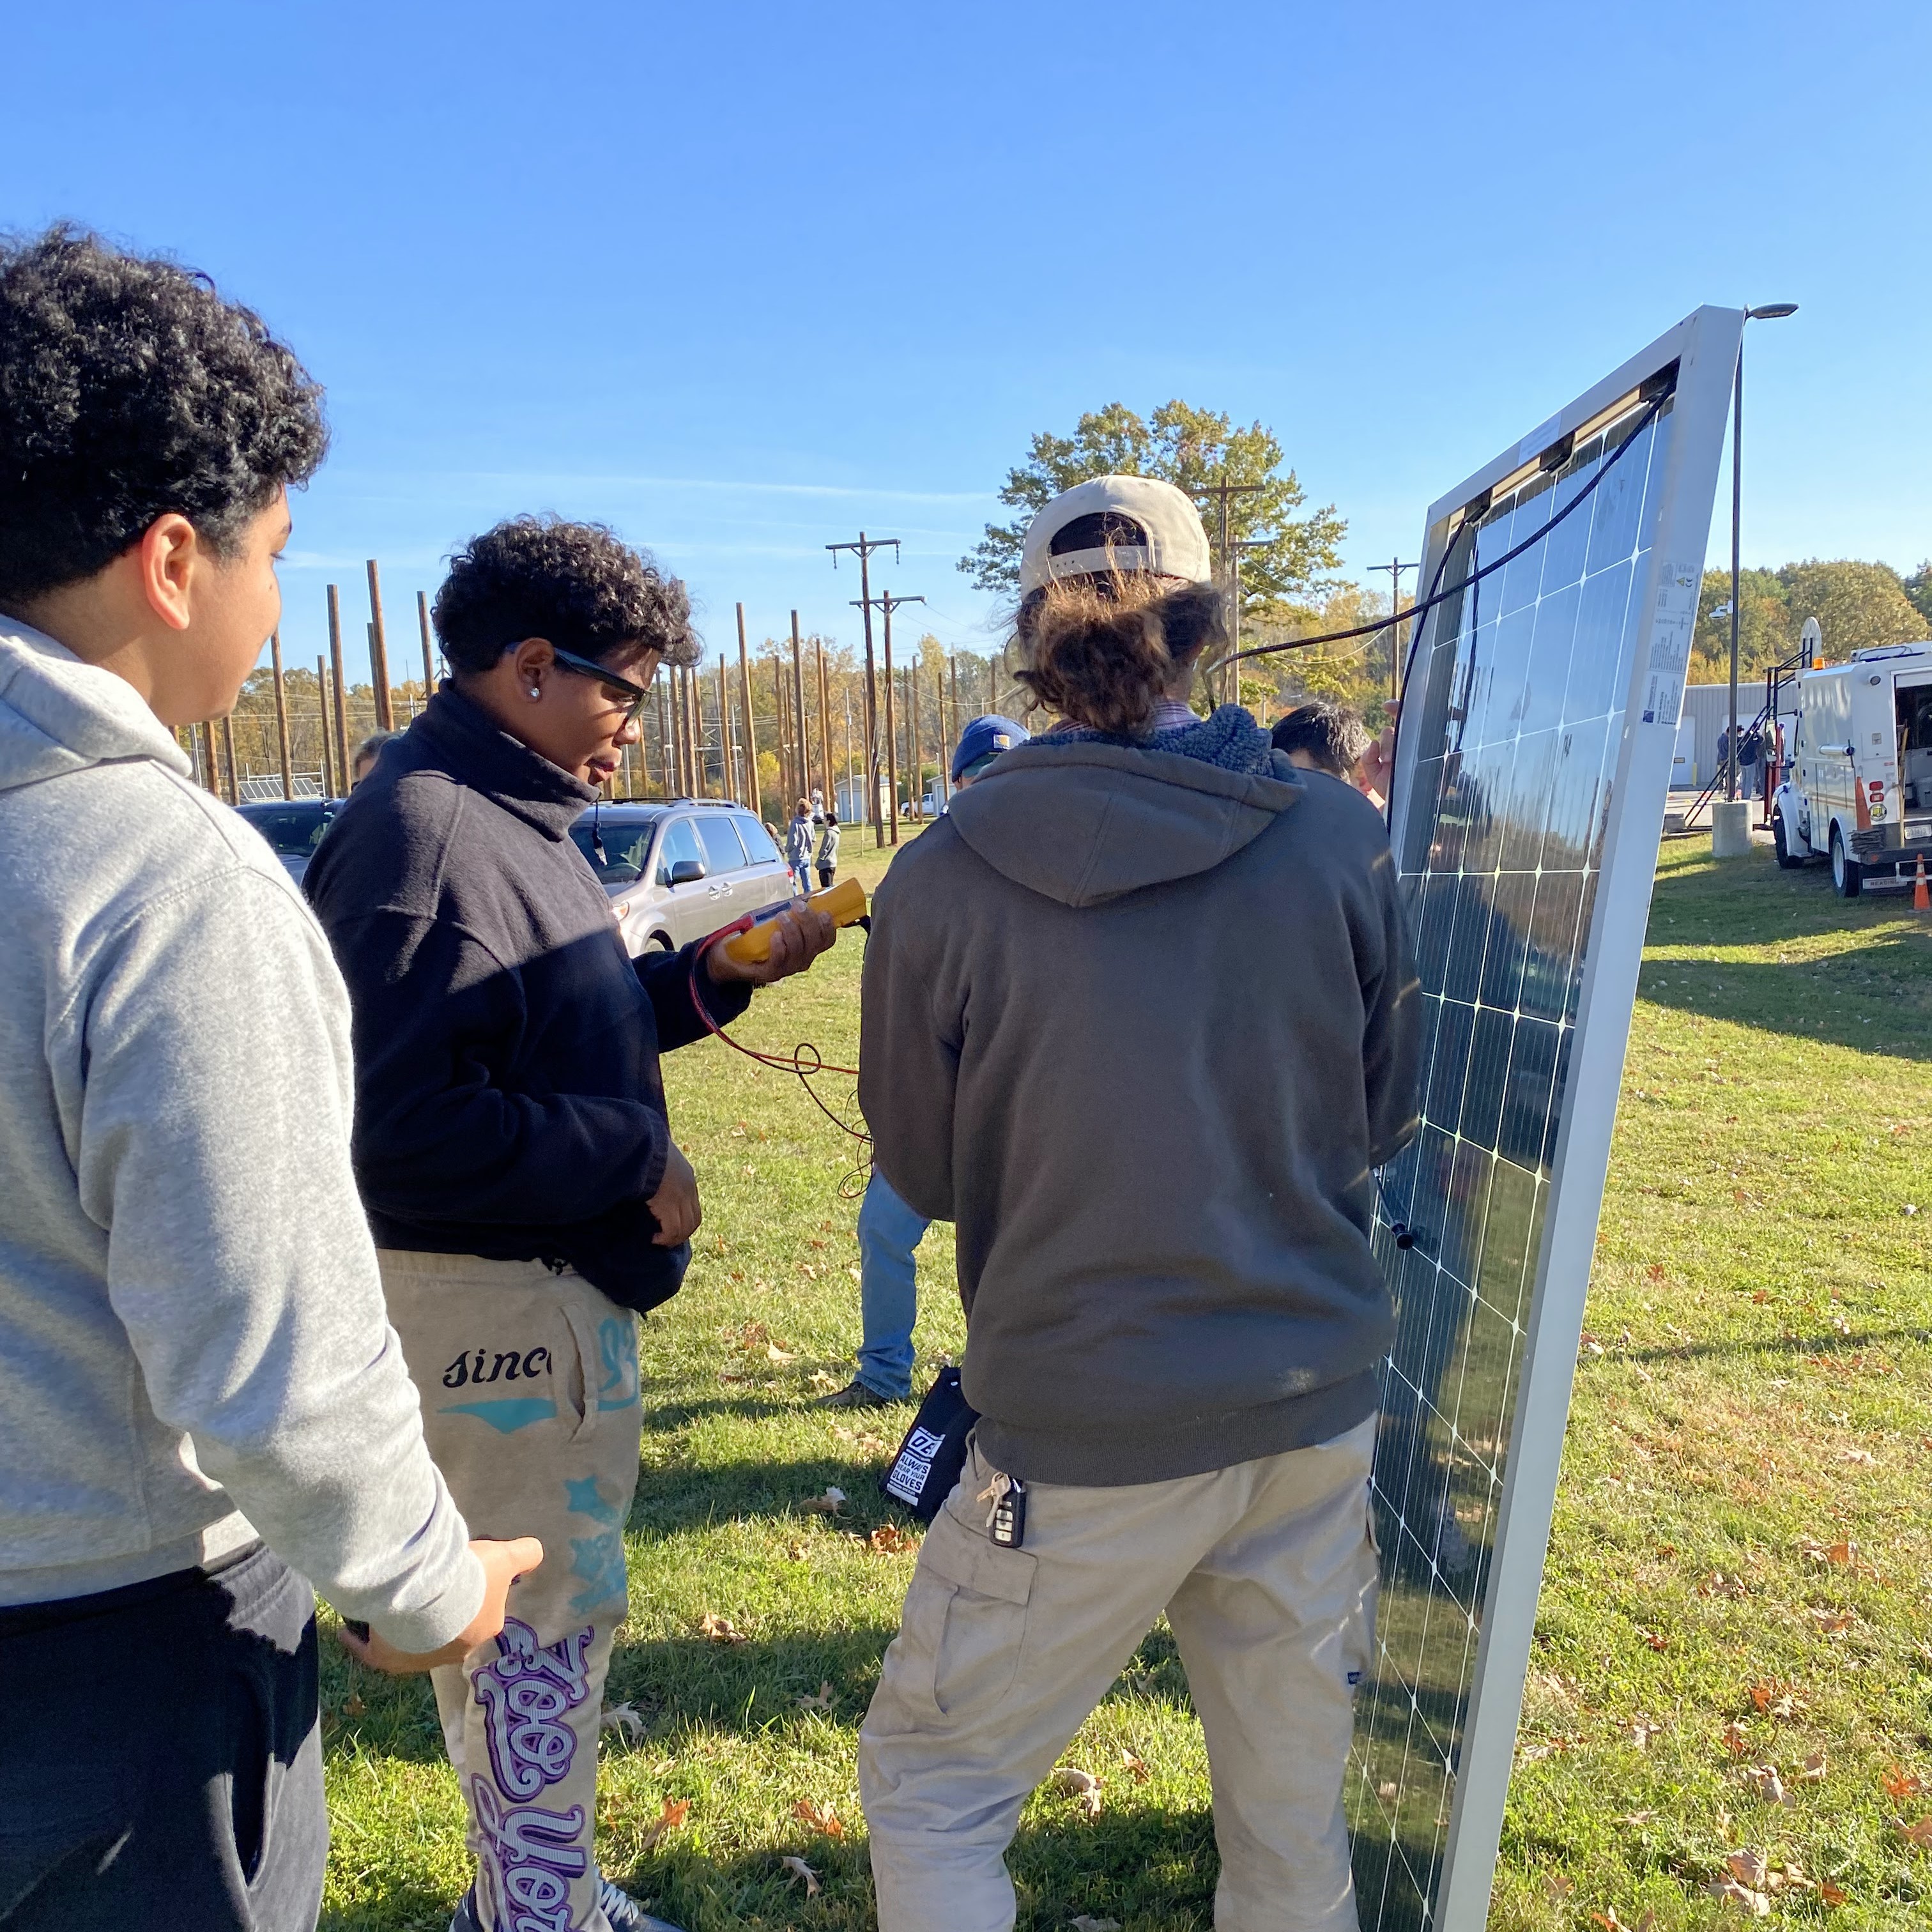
column 1702, row 350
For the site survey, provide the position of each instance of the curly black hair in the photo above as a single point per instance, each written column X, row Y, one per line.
column 580, row 585
column 129, row 388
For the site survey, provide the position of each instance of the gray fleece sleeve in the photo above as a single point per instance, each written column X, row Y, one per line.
column 908, row 1067
column 213, row 1149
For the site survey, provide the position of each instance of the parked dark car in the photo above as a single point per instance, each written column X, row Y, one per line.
column 293, row 826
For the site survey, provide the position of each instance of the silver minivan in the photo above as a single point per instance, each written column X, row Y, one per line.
column 675, row 872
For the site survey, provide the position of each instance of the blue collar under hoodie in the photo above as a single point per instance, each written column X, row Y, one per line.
column 1229, row 739
column 509, row 1102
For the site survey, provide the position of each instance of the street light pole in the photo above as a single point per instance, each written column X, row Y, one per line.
column 1765, row 312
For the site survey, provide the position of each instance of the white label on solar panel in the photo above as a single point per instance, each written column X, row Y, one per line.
column 1670, row 662
column 1525, row 822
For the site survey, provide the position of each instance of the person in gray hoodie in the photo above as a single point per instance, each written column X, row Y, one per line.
column 200, row 1395
column 1139, row 1018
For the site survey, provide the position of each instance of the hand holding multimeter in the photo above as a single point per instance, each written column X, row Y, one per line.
column 785, row 938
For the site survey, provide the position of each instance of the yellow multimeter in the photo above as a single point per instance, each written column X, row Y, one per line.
column 751, row 942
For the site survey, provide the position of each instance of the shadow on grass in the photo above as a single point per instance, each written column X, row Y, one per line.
column 662, row 1416
column 669, row 1500
column 1147, row 1866
column 1754, row 903
column 1833, row 1344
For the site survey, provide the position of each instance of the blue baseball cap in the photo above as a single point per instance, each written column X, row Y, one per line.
column 985, row 738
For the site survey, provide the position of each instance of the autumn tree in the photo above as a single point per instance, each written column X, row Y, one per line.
column 1196, row 449
column 1858, row 605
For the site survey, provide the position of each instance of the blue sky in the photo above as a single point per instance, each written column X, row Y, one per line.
column 741, row 281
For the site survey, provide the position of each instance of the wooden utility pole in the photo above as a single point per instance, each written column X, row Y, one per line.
column 321, row 700
column 429, row 665
column 342, row 771
column 783, row 745
column 725, row 747
column 751, row 730
column 918, row 761
column 1393, row 569
column 664, row 731
column 379, row 652
column 864, row 548
column 231, row 785
column 281, row 714
column 804, row 729
column 888, row 603
column 825, row 729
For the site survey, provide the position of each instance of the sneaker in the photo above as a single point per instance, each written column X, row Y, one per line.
column 465, row 1919
column 624, row 1913
column 856, row 1394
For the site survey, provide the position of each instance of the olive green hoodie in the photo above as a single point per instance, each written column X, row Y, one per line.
column 1143, row 1026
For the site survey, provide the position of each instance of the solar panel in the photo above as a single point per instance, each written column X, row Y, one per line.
column 1534, row 752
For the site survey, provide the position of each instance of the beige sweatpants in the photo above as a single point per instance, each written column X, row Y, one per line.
column 528, row 1382
column 1267, row 1572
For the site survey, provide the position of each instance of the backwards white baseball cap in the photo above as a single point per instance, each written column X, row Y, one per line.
column 1172, row 542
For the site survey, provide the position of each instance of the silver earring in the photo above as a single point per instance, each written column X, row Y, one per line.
column 534, row 692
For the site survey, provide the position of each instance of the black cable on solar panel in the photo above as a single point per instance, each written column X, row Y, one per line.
column 1416, row 611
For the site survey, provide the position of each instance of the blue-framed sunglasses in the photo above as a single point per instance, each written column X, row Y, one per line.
column 638, row 695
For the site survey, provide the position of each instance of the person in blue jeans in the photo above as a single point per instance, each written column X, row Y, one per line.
column 889, row 1230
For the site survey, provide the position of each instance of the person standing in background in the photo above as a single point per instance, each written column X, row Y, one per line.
column 828, row 851
column 366, row 754
column 798, row 847
column 200, row 1395
column 890, row 1232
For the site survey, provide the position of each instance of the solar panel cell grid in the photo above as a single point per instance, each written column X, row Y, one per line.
column 1515, row 701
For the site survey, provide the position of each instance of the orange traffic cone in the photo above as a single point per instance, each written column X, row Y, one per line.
column 1922, row 901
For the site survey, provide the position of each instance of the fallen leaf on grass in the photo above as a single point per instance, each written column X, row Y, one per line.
column 1082, row 1786
column 773, row 1353
column 1813, row 1772
column 1762, row 1296
column 832, row 1503
column 1729, row 1892
column 1776, row 1699
column 1900, row 1783
column 676, row 1811
column 1655, row 1271
column 719, row 1630
column 1085, row 1923
column 1136, row 1766
column 888, row 1539
column 1733, row 1739
column 1768, row 1786
column 1919, row 1835
column 621, row 1718
column 1608, row 1919
column 1862, row 1455
column 1590, row 1346
column 819, row 1817
column 1749, row 1866
column 1655, row 1640
column 352, row 1705
column 1831, row 1894
column 798, row 1868
column 1642, row 1731
column 1387, row 1791
column 823, row 1702
column 873, row 1445
column 1833, row 1623
column 821, row 1380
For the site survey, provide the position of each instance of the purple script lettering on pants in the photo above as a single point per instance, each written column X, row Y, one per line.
column 527, row 1695
column 529, row 1856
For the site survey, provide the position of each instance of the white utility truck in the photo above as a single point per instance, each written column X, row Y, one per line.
column 1858, row 782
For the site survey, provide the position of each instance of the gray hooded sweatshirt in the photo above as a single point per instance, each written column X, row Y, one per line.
column 193, row 1344
column 1142, row 1026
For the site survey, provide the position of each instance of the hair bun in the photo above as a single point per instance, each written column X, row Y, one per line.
column 1101, row 651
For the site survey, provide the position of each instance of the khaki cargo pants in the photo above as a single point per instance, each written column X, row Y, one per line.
column 1267, row 1571
column 528, row 1382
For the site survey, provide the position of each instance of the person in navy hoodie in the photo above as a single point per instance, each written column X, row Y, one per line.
column 513, row 1147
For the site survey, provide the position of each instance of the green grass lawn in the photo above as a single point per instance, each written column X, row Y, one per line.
column 1740, row 1575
